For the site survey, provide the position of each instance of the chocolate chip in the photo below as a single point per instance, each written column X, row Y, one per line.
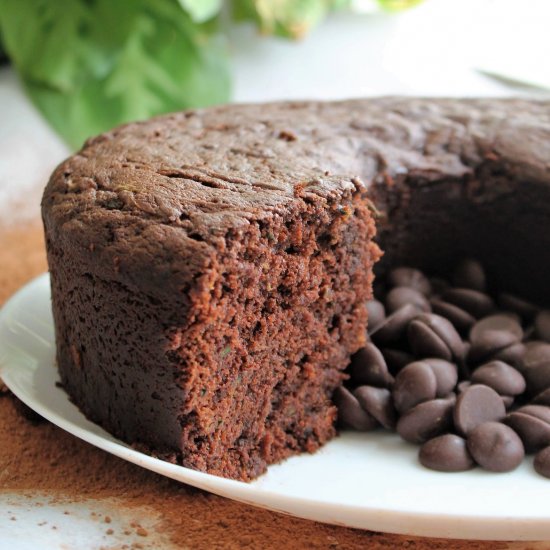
column 536, row 366
column 424, row 341
column 543, row 398
column 414, row 384
column 427, row 420
column 498, row 322
column 378, row 403
column 503, row 378
column 508, row 401
column 401, row 296
column 495, row 447
column 469, row 273
column 446, row 375
column 538, row 411
column 369, row 367
column 489, row 343
column 464, row 385
column 513, row 355
column 408, row 276
column 474, row 302
column 532, row 424
column 376, row 313
column 396, row 359
column 542, row 462
column 461, row 319
column 434, row 336
column 526, row 310
column 394, row 326
column 537, row 353
column 542, row 325
column 446, row 453
column 350, row 412
column 476, row 405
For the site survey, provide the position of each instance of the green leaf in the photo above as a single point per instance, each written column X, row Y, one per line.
column 287, row 18
column 201, row 10
column 398, row 5
column 3, row 57
column 90, row 65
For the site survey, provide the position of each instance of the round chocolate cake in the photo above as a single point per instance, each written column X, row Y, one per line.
column 210, row 269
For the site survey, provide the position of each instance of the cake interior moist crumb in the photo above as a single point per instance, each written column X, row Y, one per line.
column 282, row 317
column 248, row 379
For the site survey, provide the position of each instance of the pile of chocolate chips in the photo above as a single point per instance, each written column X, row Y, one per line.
column 462, row 373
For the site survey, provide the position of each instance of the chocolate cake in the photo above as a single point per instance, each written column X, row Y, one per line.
column 210, row 269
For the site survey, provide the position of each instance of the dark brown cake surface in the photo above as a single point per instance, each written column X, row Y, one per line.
column 210, row 269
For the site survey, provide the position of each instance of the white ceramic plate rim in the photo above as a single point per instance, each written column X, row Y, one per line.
column 396, row 517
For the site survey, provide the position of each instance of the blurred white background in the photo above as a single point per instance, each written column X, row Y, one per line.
column 436, row 48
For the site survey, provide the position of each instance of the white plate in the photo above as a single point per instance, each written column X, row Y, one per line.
column 370, row 481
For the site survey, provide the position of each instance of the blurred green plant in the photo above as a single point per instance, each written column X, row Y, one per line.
column 397, row 5
column 89, row 65
column 287, row 18
column 3, row 56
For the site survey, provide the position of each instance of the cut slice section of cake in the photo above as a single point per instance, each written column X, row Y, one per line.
column 205, row 318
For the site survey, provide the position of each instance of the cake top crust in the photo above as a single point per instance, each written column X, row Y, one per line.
column 180, row 182
column 207, row 165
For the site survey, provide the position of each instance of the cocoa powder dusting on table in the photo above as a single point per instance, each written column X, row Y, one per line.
column 37, row 457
